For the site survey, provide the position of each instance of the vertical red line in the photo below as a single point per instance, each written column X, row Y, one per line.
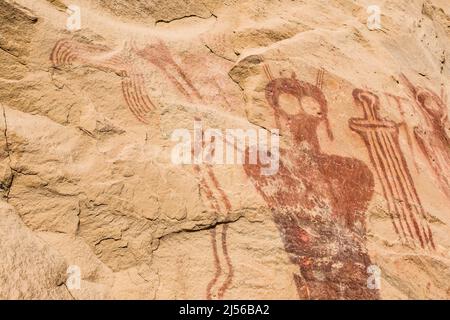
column 405, row 185
column 381, row 178
column 229, row 278
column 391, row 174
column 402, row 187
column 384, row 169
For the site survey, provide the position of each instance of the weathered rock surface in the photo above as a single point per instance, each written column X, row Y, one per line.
column 30, row 268
column 362, row 192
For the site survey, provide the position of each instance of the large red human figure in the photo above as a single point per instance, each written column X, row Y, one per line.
column 317, row 200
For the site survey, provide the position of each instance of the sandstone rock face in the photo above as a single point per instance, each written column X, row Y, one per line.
column 30, row 268
column 353, row 204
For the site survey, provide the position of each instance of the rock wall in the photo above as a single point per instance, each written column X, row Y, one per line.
column 354, row 205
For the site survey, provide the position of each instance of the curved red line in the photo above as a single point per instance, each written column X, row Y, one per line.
column 130, row 102
column 230, row 274
column 216, row 264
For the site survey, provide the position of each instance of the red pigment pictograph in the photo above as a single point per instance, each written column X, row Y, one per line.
column 398, row 102
column 431, row 135
column 317, row 200
column 159, row 55
column 216, row 198
column 219, row 202
column 381, row 139
column 69, row 52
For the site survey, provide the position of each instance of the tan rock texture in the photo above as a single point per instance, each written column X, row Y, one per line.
column 359, row 207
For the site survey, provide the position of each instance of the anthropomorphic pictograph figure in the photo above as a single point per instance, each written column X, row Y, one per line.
column 381, row 137
column 124, row 62
column 318, row 200
column 68, row 52
column 430, row 133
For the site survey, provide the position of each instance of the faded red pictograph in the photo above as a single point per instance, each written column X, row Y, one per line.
column 210, row 186
column 396, row 101
column 317, row 200
column 132, row 64
column 381, row 137
column 123, row 62
column 219, row 202
column 159, row 55
column 69, row 52
column 431, row 135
